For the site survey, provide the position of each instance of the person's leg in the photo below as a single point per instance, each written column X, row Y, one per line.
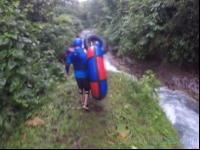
column 80, row 89
column 81, row 95
column 86, row 82
column 86, row 98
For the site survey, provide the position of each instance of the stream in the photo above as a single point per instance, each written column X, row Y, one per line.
column 182, row 113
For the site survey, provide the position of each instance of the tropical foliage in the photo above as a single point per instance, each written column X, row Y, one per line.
column 167, row 30
column 29, row 50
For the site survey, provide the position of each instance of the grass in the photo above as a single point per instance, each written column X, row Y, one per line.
column 128, row 103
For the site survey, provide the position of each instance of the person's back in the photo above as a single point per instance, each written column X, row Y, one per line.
column 79, row 61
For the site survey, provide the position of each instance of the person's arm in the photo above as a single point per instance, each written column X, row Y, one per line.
column 68, row 63
column 66, row 67
column 66, row 54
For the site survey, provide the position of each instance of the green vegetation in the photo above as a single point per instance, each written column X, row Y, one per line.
column 34, row 35
column 167, row 29
column 29, row 52
column 128, row 103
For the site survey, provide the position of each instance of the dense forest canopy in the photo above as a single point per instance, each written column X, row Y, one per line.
column 35, row 33
column 167, row 30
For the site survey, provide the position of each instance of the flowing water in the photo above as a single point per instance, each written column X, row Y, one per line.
column 183, row 114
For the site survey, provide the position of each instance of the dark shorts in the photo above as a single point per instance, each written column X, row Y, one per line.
column 83, row 83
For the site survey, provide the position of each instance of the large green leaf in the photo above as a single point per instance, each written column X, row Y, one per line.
column 11, row 22
column 14, row 31
column 15, row 84
column 26, row 40
column 34, row 68
column 3, row 54
column 11, row 51
column 2, row 65
column 17, row 11
column 4, row 41
column 143, row 41
column 150, row 34
column 22, row 15
column 7, row 72
column 2, row 82
column 22, row 27
column 2, row 21
column 14, row 36
column 20, row 45
column 36, row 24
column 11, row 64
column 28, row 59
column 21, row 70
column 11, row 10
column 18, row 53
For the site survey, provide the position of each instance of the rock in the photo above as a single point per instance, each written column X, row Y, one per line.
column 121, row 62
column 127, row 70
column 186, row 84
column 128, row 61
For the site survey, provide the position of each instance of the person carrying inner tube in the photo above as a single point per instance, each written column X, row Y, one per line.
column 68, row 51
column 79, row 60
